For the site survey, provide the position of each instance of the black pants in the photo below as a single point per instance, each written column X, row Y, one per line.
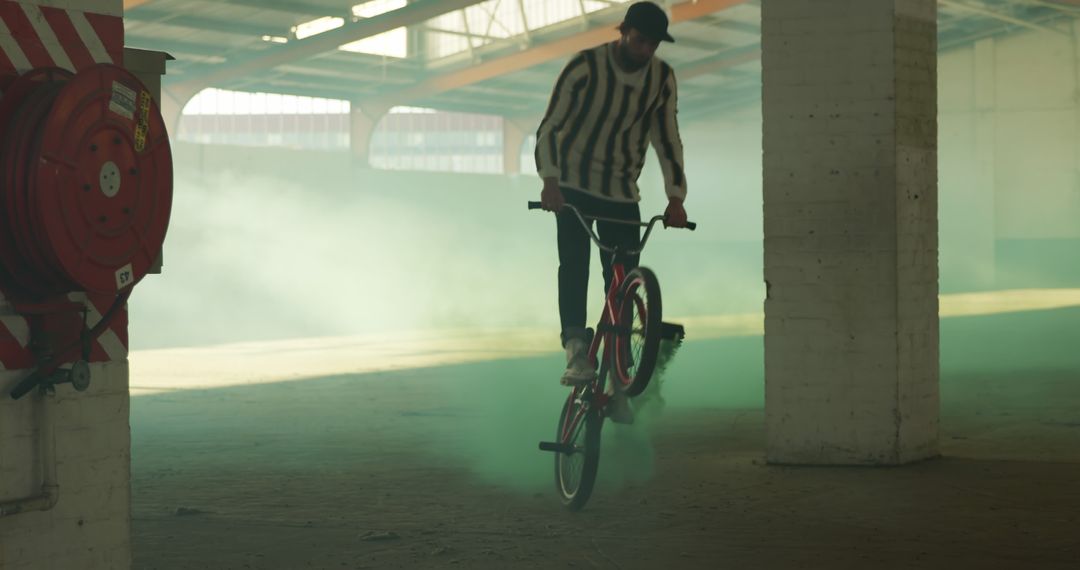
column 575, row 247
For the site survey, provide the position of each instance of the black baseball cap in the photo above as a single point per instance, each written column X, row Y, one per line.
column 649, row 19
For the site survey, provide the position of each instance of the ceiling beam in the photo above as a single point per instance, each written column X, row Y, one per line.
column 341, row 77
column 157, row 16
column 333, row 92
column 137, row 40
column 1001, row 16
column 561, row 48
column 737, row 26
column 730, row 100
column 296, row 50
column 486, row 91
column 479, row 106
column 1059, row 5
column 963, row 39
column 307, row 90
column 723, row 60
column 709, row 45
column 690, row 10
column 295, row 7
column 1073, row 3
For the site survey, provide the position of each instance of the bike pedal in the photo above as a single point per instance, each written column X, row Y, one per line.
column 557, row 447
column 672, row 331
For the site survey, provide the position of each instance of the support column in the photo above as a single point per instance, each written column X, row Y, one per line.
column 514, row 133
column 980, row 213
column 850, row 209
column 968, row 206
column 363, row 118
column 172, row 103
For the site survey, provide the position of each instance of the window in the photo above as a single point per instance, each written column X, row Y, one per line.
column 410, row 138
column 216, row 116
column 494, row 20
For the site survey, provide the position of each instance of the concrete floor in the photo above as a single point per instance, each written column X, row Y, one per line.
column 437, row 467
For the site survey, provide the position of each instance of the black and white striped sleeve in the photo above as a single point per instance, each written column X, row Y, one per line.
column 571, row 81
column 664, row 135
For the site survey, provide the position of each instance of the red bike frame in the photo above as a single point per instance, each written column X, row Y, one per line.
column 606, row 329
column 605, row 332
column 631, row 301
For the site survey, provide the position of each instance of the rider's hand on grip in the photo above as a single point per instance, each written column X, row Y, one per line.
column 551, row 197
column 675, row 215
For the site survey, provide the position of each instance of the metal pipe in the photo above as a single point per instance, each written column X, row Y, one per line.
column 50, row 489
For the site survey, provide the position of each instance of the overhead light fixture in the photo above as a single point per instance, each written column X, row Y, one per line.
column 373, row 8
column 394, row 43
column 316, row 27
column 275, row 39
column 406, row 110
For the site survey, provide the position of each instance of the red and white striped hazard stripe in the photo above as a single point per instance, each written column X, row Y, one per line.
column 111, row 346
column 33, row 36
column 71, row 34
column 14, row 339
column 113, row 342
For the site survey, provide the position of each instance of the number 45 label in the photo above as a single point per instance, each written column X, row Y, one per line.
column 124, row 277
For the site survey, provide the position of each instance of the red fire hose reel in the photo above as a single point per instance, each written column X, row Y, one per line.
column 85, row 196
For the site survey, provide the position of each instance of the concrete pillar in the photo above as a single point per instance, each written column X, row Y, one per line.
column 968, row 177
column 172, row 103
column 980, row 223
column 90, row 525
column 362, row 122
column 850, row 209
column 514, row 133
column 1076, row 101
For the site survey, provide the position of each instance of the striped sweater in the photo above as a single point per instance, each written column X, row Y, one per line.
column 600, row 122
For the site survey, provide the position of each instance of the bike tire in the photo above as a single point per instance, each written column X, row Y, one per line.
column 637, row 342
column 585, row 461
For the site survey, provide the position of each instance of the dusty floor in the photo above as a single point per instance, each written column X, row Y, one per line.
column 437, row 467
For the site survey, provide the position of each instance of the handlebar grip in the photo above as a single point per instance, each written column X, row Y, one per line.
column 535, row 206
column 691, row 226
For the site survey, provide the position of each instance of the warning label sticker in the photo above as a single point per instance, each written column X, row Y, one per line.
column 123, row 101
column 140, row 137
column 143, row 126
column 124, row 277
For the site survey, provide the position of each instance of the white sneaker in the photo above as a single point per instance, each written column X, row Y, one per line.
column 578, row 368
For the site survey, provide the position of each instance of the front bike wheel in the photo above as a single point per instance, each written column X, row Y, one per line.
column 637, row 337
column 579, row 427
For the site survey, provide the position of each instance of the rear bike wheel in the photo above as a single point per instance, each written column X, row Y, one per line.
column 579, row 426
column 637, row 336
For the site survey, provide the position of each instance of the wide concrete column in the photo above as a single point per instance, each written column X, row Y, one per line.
column 980, row 220
column 850, row 179
column 514, row 134
column 172, row 102
column 363, row 119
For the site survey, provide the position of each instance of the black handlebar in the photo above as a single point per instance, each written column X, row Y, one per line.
column 537, row 206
